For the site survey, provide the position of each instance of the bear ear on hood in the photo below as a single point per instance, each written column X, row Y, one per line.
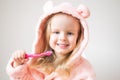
column 83, row 11
column 48, row 6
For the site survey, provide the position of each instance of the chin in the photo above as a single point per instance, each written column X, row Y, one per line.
column 63, row 52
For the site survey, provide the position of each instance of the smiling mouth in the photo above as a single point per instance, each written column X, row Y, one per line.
column 62, row 45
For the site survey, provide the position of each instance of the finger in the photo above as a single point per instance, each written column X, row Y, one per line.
column 22, row 57
column 19, row 57
column 16, row 58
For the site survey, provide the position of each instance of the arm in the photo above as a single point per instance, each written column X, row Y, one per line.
column 18, row 71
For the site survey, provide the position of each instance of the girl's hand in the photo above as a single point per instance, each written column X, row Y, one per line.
column 19, row 58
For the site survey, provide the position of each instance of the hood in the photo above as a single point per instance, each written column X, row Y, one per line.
column 81, row 13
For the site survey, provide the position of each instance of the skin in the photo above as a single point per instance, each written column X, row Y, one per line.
column 19, row 58
column 63, row 40
column 64, row 34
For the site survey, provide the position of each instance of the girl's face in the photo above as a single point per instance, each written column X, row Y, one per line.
column 64, row 33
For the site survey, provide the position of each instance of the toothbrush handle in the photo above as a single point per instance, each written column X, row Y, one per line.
column 33, row 55
column 48, row 53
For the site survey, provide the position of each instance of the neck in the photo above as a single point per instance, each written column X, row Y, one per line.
column 60, row 60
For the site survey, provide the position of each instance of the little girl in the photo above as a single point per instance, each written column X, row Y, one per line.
column 62, row 30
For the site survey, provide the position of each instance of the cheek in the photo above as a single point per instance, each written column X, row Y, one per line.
column 52, row 40
column 73, row 40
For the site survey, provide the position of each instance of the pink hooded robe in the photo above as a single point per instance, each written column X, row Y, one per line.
column 82, row 68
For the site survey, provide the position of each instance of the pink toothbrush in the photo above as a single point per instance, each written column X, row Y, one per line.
column 48, row 53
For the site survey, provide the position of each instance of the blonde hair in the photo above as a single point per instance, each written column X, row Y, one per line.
column 47, row 63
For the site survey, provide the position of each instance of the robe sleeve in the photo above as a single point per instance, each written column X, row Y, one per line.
column 20, row 72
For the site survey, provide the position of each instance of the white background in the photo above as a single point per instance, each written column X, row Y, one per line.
column 18, row 20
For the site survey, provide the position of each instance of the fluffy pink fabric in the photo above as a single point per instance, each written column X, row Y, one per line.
column 82, row 71
column 23, row 72
column 82, row 68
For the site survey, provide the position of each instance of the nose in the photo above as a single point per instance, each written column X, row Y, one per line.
column 62, row 37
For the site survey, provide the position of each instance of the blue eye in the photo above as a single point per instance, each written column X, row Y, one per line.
column 56, row 32
column 70, row 33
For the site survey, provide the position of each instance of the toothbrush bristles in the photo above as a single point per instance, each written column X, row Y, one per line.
column 48, row 53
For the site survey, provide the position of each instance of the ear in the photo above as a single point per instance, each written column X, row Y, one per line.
column 83, row 11
column 48, row 6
